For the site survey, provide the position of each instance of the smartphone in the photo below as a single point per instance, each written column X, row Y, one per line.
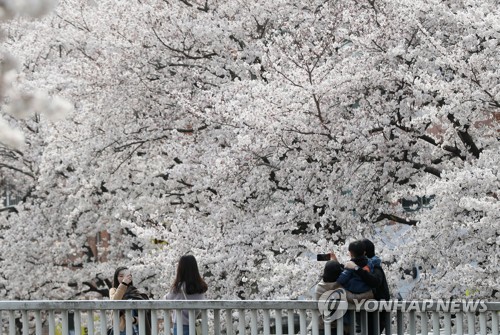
column 323, row 257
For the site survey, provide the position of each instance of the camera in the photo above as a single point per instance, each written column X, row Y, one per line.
column 323, row 257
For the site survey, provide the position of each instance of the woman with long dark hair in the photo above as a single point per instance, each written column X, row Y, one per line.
column 124, row 289
column 188, row 285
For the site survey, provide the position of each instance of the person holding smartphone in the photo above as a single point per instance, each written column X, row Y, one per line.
column 335, row 276
column 124, row 289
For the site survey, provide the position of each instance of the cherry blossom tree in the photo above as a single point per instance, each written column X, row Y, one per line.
column 23, row 111
column 256, row 135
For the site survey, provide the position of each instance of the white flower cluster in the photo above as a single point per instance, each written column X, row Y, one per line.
column 20, row 104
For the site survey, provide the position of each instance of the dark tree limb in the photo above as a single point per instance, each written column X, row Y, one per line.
column 397, row 219
column 464, row 136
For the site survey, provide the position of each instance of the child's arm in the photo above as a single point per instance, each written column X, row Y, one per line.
column 344, row 277
column 368, row 277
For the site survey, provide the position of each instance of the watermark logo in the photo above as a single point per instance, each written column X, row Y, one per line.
column 332, row 305
column 447, row 306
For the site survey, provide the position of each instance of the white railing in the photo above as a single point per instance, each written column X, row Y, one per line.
column 245, row 317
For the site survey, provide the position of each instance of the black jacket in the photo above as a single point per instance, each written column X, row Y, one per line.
column 377, row 281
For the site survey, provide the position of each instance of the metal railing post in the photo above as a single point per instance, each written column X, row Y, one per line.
column 38, row 323
column 459, row 322
column 217, row 321
column 103, row 323
column 90, row 322
column 229, row 322
column 241, row 321
column 278, row 318
column 302, row 322
column 494, row 322
column 267, row 322
column 26, row 326
column 291, row 322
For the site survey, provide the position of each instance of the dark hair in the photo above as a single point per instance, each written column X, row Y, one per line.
column 115, row 276
column 332, row 271
column 369, row 247
column 357, row 248
column 188, row 273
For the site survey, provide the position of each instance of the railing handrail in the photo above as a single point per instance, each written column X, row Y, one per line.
column 392, row 305
column 247, row 316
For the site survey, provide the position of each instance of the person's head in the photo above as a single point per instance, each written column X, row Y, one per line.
column 331, row 271
column 369, row 248
column 188, row 273
column 120, row 273
column 357, row 249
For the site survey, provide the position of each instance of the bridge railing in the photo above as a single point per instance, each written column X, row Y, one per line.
column 154, row 317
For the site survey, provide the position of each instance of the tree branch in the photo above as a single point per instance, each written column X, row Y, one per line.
column 17, row 170
column 397, row 219
column 465, row 136
column 182, row 52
